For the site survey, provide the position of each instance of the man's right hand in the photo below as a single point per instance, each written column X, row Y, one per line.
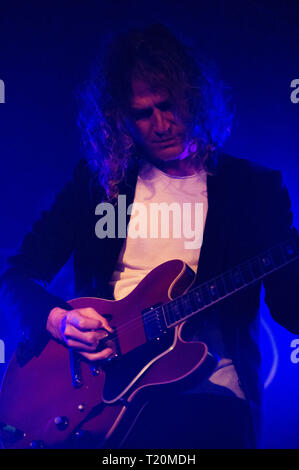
column 80, row 329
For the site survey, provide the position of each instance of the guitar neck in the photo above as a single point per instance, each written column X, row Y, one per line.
column 228, row 283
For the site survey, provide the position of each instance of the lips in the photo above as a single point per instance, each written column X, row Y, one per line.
column 165, row 142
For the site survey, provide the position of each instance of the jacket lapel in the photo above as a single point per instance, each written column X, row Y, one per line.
column 213, row 251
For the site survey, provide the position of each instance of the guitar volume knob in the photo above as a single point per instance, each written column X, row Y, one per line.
column 61, row 422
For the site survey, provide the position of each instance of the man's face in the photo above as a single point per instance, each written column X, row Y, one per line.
column 154, row 125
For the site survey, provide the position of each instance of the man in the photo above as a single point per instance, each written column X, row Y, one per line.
column 153, row 124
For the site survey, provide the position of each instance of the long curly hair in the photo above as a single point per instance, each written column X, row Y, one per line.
column 156, row 55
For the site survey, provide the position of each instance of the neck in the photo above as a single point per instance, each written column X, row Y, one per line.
column 177, row 167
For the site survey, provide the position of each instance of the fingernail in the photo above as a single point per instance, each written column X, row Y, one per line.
column 103, row 335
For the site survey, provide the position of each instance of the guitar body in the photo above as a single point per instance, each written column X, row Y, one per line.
column 58, row 397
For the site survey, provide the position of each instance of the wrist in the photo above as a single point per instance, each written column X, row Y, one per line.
column 54, row 321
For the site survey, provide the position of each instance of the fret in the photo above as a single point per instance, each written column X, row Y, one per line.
column 277, row 256
column 179, row 310
column 256, row 268
column 237, row 278
column 169, row 314
column 192, row 300
column 198, row 299
column 221, row 286
column 228, row 282
column 186, row 305
column 205, row 291
column 267, row 262
column 247, row 273
column 175, row 311
column 213, row 290
column 189, row 303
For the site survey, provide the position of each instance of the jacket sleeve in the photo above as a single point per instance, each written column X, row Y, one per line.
column 43, row 252
column 282, row 287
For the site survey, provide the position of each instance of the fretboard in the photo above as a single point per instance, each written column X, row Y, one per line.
column 220, row 287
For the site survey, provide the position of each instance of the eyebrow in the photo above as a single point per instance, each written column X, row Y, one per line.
column 149, row 108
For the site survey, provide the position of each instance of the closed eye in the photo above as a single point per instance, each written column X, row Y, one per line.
column 164, row 106
column 142, row 113
column 145, row 113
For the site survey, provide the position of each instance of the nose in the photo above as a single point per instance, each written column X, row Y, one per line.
column 161, row 123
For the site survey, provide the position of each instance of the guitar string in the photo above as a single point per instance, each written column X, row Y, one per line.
column 125, row 327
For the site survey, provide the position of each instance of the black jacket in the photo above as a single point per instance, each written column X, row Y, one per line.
column 249, row 211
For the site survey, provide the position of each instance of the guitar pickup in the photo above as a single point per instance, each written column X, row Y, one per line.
column 153, row 322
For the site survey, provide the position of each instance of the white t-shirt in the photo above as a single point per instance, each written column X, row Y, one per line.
column 167, row 222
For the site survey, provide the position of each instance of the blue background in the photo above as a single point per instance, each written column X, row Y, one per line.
column 46, row 53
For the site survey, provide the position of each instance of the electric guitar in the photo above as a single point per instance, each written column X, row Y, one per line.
column 59, row 399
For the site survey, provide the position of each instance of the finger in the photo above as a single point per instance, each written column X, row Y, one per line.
column 97, row 356
column 74, row 344
column 83, row 322
column 92, row 313
column 84, row 319
column 89, row 337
